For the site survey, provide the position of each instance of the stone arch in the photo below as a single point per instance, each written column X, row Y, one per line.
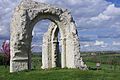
column 25, row 16
column 50, row 47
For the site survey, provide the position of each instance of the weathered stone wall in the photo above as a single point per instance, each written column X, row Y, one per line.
column 25, row 16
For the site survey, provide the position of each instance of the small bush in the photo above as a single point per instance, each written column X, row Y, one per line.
column 94, row 68
column 1, row 59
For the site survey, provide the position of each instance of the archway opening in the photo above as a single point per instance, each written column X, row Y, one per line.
column 40, row 29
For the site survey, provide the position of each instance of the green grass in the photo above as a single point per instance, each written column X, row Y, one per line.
column 103, row 58
column 106, row 73
column 59, row 74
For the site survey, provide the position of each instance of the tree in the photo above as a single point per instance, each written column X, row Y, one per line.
column 6, row 51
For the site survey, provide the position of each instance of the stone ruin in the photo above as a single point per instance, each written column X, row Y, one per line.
column 25, row 16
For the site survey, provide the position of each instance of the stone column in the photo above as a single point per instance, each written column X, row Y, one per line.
column 45, row 51
column 19, row 55
column 63, row 53
column 70, row 51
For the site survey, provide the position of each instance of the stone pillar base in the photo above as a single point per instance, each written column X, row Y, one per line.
column 16, row 66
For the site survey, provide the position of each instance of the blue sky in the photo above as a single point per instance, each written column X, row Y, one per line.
column 116, row 2
column 98, row 22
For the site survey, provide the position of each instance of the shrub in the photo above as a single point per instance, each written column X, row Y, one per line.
column 5, row 48
column 1, row 59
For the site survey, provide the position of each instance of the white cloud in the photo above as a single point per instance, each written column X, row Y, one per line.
column 95, row 46
column 86, row 45
column 36, row 45
column 6, row 8
column 103, row 46
column 112, row 11
column 97, row 43
column 109, row 17
column 41, row 0
column 116, row 43
column 74, row 2
column 101, row 17
column 88, row 14
column 0, row 29
column 4, row 31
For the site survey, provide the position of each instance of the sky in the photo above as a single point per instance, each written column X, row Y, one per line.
column 98, row 22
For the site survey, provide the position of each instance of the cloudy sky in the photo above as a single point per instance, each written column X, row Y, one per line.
column 98, row 22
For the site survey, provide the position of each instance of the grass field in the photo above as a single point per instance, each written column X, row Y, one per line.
column 60, row 74
column 106, row 72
